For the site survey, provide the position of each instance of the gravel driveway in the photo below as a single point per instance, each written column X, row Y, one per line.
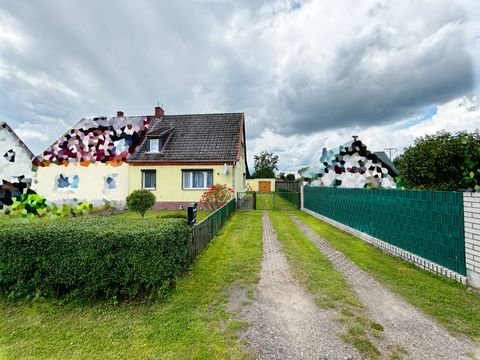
column 284, row 321
column 403, row 324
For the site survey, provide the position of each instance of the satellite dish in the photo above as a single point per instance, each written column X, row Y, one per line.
column 225, row 169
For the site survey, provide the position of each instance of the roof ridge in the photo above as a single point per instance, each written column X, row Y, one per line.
column 224, row 113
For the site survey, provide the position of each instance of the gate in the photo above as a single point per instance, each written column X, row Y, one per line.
column 267, row 200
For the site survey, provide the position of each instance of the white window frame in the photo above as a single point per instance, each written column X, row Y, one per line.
column 154, row 141
column 190, row 174
column 143, row 179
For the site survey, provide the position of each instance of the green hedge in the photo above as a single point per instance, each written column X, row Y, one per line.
column 92, row 257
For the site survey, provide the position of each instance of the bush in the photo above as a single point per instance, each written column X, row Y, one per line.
column 442, row 161
column 34, row 205
column 140, row 201
column 216, row 196
column 91, row 257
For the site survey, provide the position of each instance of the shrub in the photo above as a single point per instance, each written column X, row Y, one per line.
column 25, row 204
column 216, row 196
column 442, row 161
column 92, row 257
column 34, row 205
column 140, row 201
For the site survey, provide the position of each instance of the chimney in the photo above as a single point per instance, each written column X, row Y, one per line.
column 120, row 114
column 159, row 112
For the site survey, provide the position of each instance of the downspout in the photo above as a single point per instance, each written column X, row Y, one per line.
column 233, row 181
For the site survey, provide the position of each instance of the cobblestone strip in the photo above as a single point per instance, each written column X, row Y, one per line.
column 403, row 324
column 284, row 321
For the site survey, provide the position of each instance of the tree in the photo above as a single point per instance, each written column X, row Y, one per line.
column 265, row 164
column 443, row 161
column 290, row 177
column 140, row 201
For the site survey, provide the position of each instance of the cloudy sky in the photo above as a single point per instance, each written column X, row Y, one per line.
column 307, row 74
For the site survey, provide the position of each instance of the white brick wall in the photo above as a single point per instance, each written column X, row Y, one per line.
column 471, row 211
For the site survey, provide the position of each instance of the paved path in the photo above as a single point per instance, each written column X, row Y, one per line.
column 403, row 324
column 284, row 321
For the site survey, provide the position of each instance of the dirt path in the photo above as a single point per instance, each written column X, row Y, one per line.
column 403, row 324
column 284, row 321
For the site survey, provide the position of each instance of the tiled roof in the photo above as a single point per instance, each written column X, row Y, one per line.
column 107, row 140
column 196, row 137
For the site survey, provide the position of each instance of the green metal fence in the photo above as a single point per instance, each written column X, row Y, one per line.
column 268, row 201
column 426, row 223
column 206, row 229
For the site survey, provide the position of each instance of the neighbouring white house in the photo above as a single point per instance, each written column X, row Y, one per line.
column 88, row 163
column 352, row 165
column 15, row 165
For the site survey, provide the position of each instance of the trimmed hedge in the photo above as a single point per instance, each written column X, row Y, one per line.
column 92, row 257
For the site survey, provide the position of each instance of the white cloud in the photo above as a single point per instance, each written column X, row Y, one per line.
column 300, row 150
column 313, row 71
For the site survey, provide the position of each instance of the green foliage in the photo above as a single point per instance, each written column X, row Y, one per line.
column 216, row 196
column 290, row 177
column 140, row 201
column 265, row 164
column 29, row 204
column 34, row 205
column 92, row 257
column 194, row 322
column 443, row 161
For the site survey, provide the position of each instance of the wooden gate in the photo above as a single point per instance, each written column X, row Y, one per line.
column 264, row 186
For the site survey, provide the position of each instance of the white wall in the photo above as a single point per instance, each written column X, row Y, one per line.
column 22, row 165
column 91, row 186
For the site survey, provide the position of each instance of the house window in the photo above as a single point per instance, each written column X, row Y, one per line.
column 149, row 179
column 110, row 182
column 64, row 182
column 197, row 179
column 155, row 145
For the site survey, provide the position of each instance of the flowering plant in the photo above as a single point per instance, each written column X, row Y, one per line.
column 216, row 196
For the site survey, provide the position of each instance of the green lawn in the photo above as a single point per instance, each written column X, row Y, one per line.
column 192, row 323
column 451, row 303
column 274, row 201
column 329, row 288
column 201, row 214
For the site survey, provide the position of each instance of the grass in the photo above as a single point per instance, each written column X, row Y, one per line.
column 449, row 302
column 201, row 214
column 328, row 287
column 191, row 323
column 274, row 201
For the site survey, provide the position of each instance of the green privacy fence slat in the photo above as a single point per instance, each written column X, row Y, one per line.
column 425, row 223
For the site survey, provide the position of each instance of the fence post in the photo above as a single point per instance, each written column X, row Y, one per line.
column 301, row 196
column 471, row 213
column 254, row 200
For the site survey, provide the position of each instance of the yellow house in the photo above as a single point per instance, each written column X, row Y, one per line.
column 182, row 155
column 88, row 163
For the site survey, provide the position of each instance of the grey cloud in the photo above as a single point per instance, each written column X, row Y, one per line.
column 196, row 56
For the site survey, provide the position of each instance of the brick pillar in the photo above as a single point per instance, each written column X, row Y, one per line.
column 471, row 210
